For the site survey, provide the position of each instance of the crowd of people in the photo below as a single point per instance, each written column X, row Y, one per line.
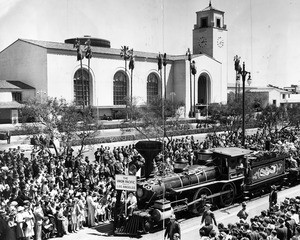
column 279, row 222
column 43, row 195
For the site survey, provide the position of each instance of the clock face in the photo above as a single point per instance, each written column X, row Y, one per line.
column 220, row 42
column 202, row 42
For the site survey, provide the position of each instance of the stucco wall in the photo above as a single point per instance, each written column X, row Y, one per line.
column 5, row 97
column 206, row 65
column 24, row 62
column 61, row 69
column 214, row 70
column 275, row 95
column 181, row 84
column 28, row 94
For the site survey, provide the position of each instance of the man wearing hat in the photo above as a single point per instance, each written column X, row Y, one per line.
column 172, row 229
column 282, row 231
column 243, row 213
column 39, row 217
column 5, row 232
column 208, row 216
column 176, row 236
column 272, row 197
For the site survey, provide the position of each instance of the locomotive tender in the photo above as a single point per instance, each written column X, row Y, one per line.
column 219, row 176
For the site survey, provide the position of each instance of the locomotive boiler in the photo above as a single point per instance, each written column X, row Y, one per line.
column 219, row 176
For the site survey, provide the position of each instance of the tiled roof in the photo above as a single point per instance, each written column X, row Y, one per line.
column 12, row 104
column 99, row 50
column 210, row 7
column 20, row 84
column 6, row 85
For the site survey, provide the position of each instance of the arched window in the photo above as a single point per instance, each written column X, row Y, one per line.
column 120, row 88
column 152, row 87
column 82, row 87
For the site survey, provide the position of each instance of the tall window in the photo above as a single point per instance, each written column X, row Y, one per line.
column 218, row 22
column 82, row 87
column 152, row 87
column 17, row 96
column 120, row 88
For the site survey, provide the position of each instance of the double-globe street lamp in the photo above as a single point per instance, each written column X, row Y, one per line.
column 189, row 55
column 193, row 72
column 162, row 61
column 240, row 71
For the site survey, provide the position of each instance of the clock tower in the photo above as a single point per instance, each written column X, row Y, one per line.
column 210, row 38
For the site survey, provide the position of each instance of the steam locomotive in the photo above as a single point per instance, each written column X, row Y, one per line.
column 219, row 176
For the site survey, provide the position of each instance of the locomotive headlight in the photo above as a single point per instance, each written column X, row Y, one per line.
column 140, row 192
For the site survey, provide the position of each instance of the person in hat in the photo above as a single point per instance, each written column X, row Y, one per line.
column 91, row 207
column 28, row 221
column 131, row 202
column 176, row 236
column 8, row 136
column 173, row 227
column 20, row 222
column 5, row 231
column 295, row 215
column 282, row 231
column 208, row 217
column 243, row 213
column 272, row 197
column 39, row 217
column 290, row 224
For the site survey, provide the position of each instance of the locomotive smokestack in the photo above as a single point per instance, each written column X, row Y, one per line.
column 149, row 150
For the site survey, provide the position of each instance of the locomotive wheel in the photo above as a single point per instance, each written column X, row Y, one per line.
column 227, row 198
column 198, row 207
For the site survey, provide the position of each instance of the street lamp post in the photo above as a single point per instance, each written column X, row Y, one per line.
column 194, row 72
column 159, row 65
column 88, row 55
column 164, row 63
column 189, row 55
column 241, row 71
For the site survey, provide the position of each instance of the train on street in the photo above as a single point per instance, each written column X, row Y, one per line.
column 219, row 176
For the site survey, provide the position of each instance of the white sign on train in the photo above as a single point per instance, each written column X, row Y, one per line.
column 126, row 182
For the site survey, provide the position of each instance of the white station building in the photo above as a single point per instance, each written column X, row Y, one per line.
column 51, row 69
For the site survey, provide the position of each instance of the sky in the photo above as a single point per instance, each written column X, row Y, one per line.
column 264, row 33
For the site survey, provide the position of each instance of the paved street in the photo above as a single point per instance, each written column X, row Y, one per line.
column 190, row 227
column 24, row 141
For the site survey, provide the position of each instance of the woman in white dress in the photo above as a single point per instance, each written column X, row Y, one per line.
column 20, row 222
column 29, row 220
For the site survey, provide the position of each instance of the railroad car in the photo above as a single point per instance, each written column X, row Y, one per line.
column 219, row 176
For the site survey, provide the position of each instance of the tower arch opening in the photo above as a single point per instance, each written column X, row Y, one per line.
column 204, row 89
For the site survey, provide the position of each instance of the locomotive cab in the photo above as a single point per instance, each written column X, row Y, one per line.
column 230, row 161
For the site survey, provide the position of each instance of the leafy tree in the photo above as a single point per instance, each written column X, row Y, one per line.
column 230, row 114
column 271, row 118
column 150, row 121
column 58, row 120
column 293, row 114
